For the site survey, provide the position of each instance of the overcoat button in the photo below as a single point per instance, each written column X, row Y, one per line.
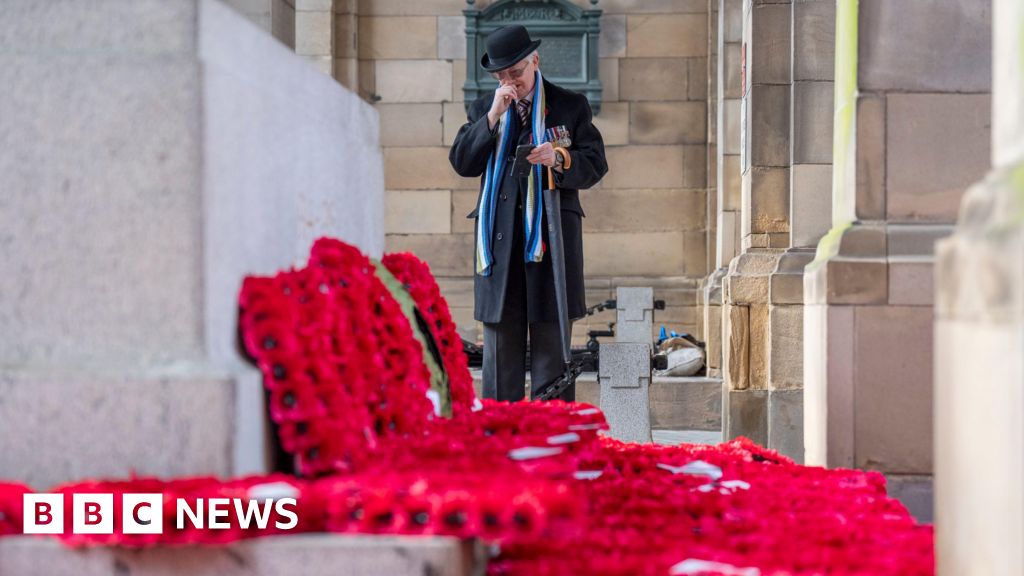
column 499, row 235
column 504, row 196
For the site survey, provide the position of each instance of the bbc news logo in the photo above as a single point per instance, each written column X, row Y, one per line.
column 144, row 513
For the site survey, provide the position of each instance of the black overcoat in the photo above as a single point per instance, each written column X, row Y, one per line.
column 473, row 144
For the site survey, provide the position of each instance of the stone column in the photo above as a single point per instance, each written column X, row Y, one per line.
column 979, row 338
column 911, row 132
column 138, row 191
column 725, row 105
column 764, row 216
column 274, row 16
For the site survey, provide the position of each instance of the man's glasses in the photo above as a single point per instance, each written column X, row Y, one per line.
column 511, row 73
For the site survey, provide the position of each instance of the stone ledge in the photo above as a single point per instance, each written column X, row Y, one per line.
column 306, row 554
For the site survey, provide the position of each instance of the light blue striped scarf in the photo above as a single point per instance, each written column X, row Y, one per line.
column 533, row 208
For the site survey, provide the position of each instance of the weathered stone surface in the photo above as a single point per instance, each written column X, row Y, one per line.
column 648, row 6
column 414, row 80
column 653, row 79
column 312, row 555
column 451, row 38
column 729, row 125
column 769, row 53
column 736, row 346
column 745, row 413
column 810, row 203
column 731, row 183
column 625, row 210
column 416, row 168
column 897, row 48
column 910, row 281
column 418, row 212
column 406, row 8
column 668, row 123
column 768, row 203
column 686, row 403
column 612, row 43
column 769, row 125
column 632, row 167
column 697, row 79
column 463, row 203
column 634, row 314
column 663, row 35
column 459, row 78
column 814, row 40
column 410, row 124
column 871, row 158
column 613, row 122
column 938, row 144
column 447, row 254
column 732, row 20
column 94, row 424
column 760, row 345
column 634, row 254
column 695, row 253
column 829, row 385
column 346, row 36
column 893, row 411
column 454, row 116
column 625, row 381
column 732, row 72
column 313, row 33
column 812, row 122
column 786, row 351
column 916, row 492
column 786, row 423
column 786, row 285
column 608, row 69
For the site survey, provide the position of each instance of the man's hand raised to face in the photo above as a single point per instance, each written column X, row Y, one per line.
column 503, row 98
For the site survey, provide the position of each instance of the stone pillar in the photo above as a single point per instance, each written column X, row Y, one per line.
column 138, row 191
column 911, row 132
column 274, row 16
column 979, row 336
column 764, row 216
column 725, row 206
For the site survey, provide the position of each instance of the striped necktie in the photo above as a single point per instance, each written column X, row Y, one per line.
column 523, row 108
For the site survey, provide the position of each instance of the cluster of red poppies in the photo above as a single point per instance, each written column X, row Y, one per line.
column 357, row 404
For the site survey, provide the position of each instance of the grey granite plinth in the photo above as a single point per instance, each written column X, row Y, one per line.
column 745, row 413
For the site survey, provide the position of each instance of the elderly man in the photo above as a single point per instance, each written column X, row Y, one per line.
column 514, row 281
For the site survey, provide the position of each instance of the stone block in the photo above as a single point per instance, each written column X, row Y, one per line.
column 814, row 40
column 89, row 424
column 322, row 64
column 695, row 252
column 857, row 281
column 410, row 124
column 346, row 36
column 911, row 281
column 625, row 376
column 451, row 37
column 612, row 43
column 686, row 403
column 914, row 239
column 664, row 35
column 893, row 411
column 695, row 166
column 786, row 355
column 414, row 80
column 916, row 492
column 654, row 79
column 613, row 123
column 871, row 154
column 736, row 346
column 732, row 78
column 608, row 68
column 313, row 33
column 447, row 254
column 282, row 22
column 786, row 285
column 938, row 144
column 897, row 48
column 731, row 189
column 768, row 135
column 713, row 336
column 697, row 79
column 728, row 237
column 649, row 6
column 829, row 385
column 406, row 8
column 769, row 53
column 458, row 79
column 453, row 118
column 634, row 254
column 367, row 79
column 346, row 72
column 729, row 126
column 732, row 21
column 812, row 122
column 657, row 210
column 745, row 413
column 760, row 345
column 644, row 167
column 398, row 37
column 308, row 554
column 810, row 203
column 769, row 200
column 668, row 123
column 786, row 423
column 418, row 168
column 418, row 212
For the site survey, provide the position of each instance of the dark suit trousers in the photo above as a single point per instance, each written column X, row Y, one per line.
column 504, row 366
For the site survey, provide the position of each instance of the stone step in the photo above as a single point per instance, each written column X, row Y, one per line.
column 303, row 554
column 677, row 403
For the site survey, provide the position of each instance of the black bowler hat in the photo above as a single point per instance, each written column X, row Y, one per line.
column 506, row 46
